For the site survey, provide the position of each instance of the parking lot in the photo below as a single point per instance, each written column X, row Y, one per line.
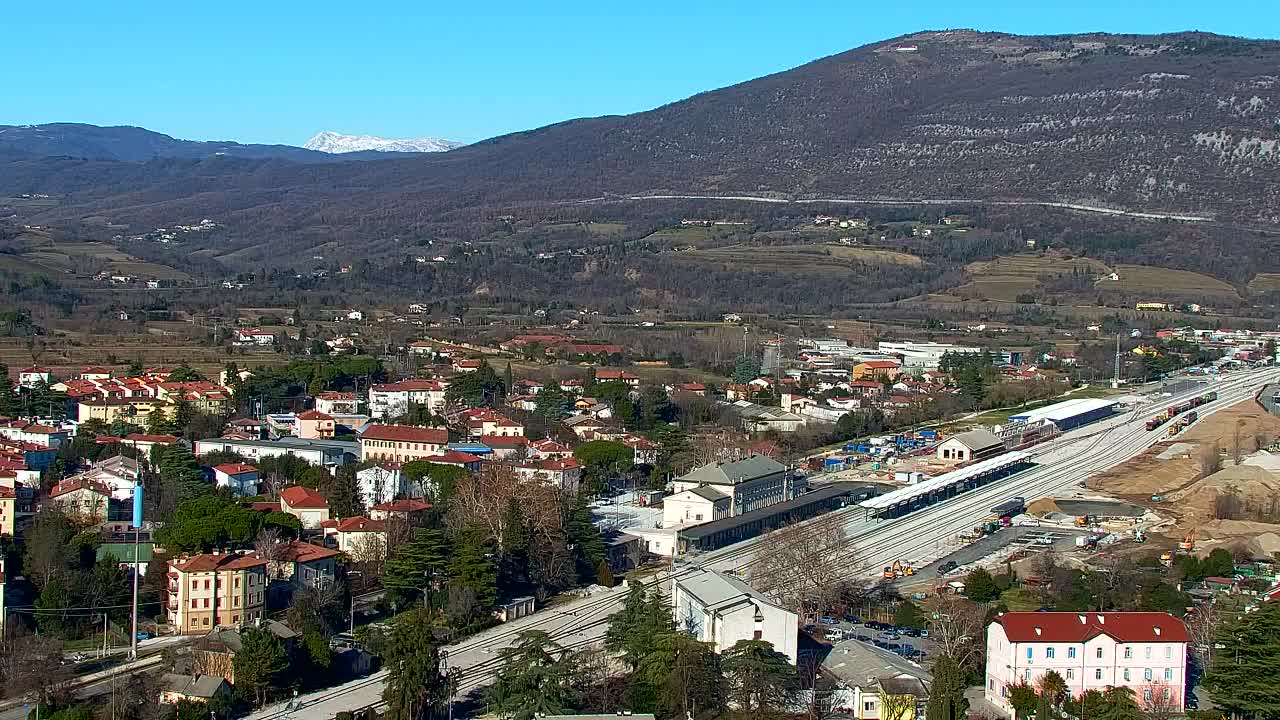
column 913, row 645
column 1013, row 538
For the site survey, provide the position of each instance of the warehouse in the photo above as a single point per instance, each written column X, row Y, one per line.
column 1070, row 414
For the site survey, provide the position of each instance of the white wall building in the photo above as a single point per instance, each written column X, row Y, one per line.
column 721, row 609
column 923, row 355
column 753, row 482
column 1145, row 651
column 392, row 399
column 694, row 506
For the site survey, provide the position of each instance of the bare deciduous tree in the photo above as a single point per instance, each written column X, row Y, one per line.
column 802, row 565
column 1202, row 626
column 1158, row 701
column 955, row 624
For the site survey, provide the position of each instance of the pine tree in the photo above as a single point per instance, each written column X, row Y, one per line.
column 415, row 564
column 414, row 686
column 515, row 545
column 472, row 567
column 758, row 677
column 259, row 663
column 946, row 695
column 344, row 496
column 584, row 537
column 1242, row 677
column 534, row 678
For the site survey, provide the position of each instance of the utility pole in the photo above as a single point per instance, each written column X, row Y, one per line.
column 1115, row 379
column 137, row 527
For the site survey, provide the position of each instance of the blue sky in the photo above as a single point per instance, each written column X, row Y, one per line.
column 278, row 71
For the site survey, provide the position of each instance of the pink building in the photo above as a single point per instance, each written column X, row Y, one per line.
column 1145, row 651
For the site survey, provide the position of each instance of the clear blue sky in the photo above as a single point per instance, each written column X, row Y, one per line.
column 278, row 71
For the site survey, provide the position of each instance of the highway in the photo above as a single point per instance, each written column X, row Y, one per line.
column 919, row 536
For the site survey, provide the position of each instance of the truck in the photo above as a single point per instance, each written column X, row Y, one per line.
column 1013, row 506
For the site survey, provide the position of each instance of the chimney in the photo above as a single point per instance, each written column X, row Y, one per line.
column 1083, row 619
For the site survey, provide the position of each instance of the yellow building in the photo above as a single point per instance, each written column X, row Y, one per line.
column 133, row 410
column 215, row 589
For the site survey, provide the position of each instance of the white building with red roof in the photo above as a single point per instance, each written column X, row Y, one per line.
column 34, row 377
column 309, row 506
column 549, row 449
column 338, row 403
column 565, row 474
column 240, row 478
column 404, row 509
column 391, row 400
column 82, row 498
column 1144, row 651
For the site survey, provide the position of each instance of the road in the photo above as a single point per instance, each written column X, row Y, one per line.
column 919, row 536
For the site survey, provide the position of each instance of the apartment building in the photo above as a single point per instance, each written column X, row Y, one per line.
column 1144, row 651
column 401, row 443
column 391, row 400
column 214, row 589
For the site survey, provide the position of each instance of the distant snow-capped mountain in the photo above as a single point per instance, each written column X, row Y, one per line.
column 332, row 142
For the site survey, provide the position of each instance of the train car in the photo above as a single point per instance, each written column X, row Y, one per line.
column 1009, row 508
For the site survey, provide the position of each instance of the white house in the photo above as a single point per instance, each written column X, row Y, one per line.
column 697, row 505
column 34, row 377
column 1145, row 651
column 253, row 336
column 240, row 478
column 721, row 609
column 392, row 399
column 969, row 446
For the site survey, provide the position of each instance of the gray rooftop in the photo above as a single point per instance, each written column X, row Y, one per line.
column 737, row 471
column 978, row 439
column 856, row 663
column 717, row 591
column 201, row 686
column 291, row 442
column 708, row 493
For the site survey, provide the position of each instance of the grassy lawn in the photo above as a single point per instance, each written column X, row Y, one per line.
column 1019, row 600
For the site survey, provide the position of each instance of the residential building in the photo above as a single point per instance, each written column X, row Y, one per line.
column 566, row 473
column 381, row 483
column 359, row 537
column 549, row 449
column 401, row 443
column 34, row 377
column 1144, row 651
column 327, row 454
column 214, row 654
column 406, row 509
column 215, row 589
column 645, row 451
column 977, row 444
column 604, row 375
column 721, row 609
column 302, row 564
column 584, row 426
column 483, row 422
column 392, row 400
column 193, row 688
column 315, row 425
column 505, row 446
column 763, row 418
column 239, row 478
column 143, row 443
column 338, row 403
column 865, row 675
column 457, row 458
column 695, row 505
column 81, row 498
column 252, row 336
column 8, row 524
column 310, row 507
column 751, row 483
column 134, row 410
column 876, row 370
column 24, row 431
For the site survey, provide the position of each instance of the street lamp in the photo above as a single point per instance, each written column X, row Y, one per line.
column 351, row 626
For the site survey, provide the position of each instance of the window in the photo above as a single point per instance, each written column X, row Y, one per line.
column 1049, row 653
column 1146, row 695
column 206, row 622
column 1168, row 652
column 1168, row 673
column 237, row 601
column 237, row 583
column 206, row 602
column 1026, row 674
column 193, row 603
column 1126, row 674
column 869, row 706
column 1128, row 652
column 235, row 619
column 1071, row 653
column 757, row 635
column 1148, row 652
column 991, row 684
column 1168, row 693
column 1029, row 652
column 1099, row 652
column 1097, row 674
column 1146, row 673
column 206, row 584
column 195, row 584
column 1071, row 673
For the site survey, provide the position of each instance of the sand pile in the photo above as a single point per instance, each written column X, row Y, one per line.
column 1043, row 507
column 1255, row 488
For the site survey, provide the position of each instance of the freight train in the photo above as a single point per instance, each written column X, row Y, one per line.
column 1173, row 411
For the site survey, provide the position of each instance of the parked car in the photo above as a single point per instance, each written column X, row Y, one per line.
column 864, row 638
column 912, row 632
column 852, row 619
column 144, row 635
column 947, row 567
column 828, row 620
column 79, row 657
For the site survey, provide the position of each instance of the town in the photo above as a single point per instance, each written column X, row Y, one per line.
column 283, row 523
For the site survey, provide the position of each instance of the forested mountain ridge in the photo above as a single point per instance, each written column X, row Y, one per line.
column 1185, row 123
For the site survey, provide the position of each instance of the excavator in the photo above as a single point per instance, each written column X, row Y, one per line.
column 1188, row 543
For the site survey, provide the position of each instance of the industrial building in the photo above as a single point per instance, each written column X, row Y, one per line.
column 1069, row 414
column 726, row 531
column 923, row 355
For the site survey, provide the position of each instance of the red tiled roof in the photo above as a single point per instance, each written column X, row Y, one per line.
column 107, row 439
column 303, row 552
column 297, row 496
column 454, row 457
column 361, row 524
column 405, row 506
column 333, row 395
column 265, row 506
column 235, row 469
column 404, row 385
column 1067, row 627
column 159, row 439
column 406, row 433
column 882, row 364
column 314, row 415
column 222, row 561
column 73, row 484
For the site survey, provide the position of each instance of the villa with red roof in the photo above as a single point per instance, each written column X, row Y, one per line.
column 306, row 504
column 315, row 425
column 404, row 509
column 240, row 478
column 1144, row 651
